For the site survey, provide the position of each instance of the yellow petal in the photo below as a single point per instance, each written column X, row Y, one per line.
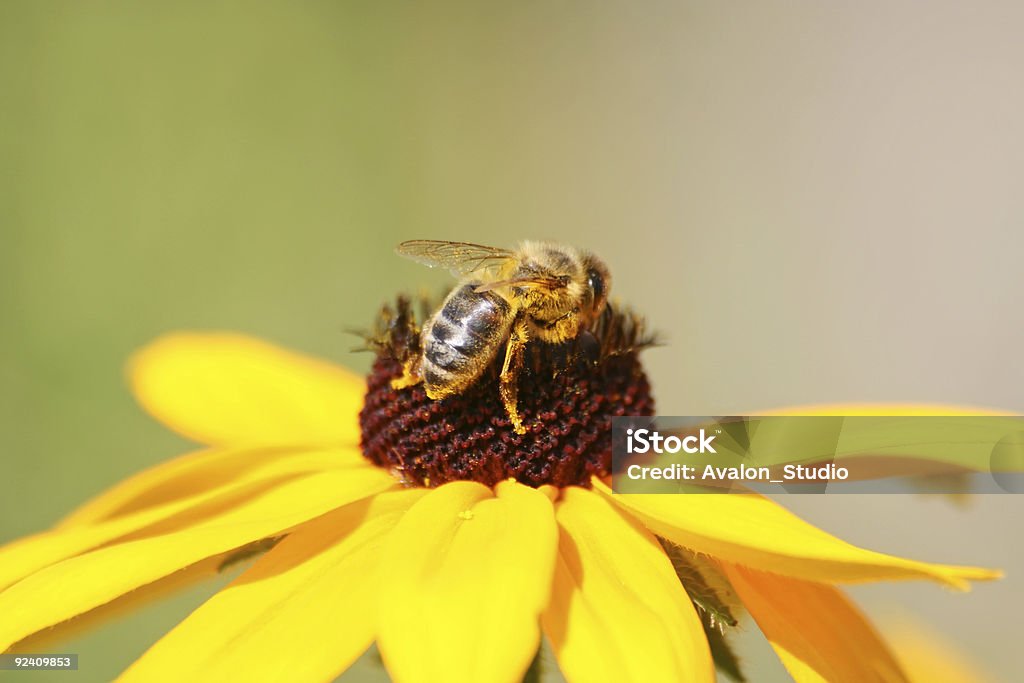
column 191, row 474
column 22, row 557
column 929, row 657
column 228, row 389
column 304, row 612
column 464, row 578
column 55, row 638
column 618, row 612
column 751, row 530
column 84, row 582
column 819, row 635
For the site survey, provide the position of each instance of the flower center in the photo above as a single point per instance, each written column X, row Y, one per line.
column 568, row 394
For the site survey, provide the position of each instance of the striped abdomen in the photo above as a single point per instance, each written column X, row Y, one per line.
column 462, row 339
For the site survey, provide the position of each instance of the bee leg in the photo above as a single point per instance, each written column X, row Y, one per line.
column 410, row 375
column 588, row 349
column 508, row 386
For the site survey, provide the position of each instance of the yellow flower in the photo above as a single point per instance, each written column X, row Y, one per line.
column 453, row 583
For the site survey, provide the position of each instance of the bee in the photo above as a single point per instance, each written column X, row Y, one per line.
column 505, row 298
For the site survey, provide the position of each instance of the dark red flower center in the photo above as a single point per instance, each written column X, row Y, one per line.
column 567, row 396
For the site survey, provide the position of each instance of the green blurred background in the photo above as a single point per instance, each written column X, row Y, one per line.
column 814, row 202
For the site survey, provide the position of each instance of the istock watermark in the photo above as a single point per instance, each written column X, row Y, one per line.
column 818, row 454
column 644, row 441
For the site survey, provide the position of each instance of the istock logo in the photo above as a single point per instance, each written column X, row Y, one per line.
column 646, row 441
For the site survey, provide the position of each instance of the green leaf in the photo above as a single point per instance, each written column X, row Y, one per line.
column 535, row 674
column 248, row 552
column 715, row 600
column 704, row 583
column 722, row 654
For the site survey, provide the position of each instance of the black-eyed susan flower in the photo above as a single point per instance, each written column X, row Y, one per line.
column 436, row 531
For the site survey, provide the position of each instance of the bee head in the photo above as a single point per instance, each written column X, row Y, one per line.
column 598, row 281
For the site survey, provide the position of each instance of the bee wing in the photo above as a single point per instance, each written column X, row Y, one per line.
column 461, row 258
column 549, row 282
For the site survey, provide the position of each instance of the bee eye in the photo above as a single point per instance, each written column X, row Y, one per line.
column 596, row 284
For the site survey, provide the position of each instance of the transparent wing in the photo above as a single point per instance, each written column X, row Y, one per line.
column 461, row 258
column 548, row 282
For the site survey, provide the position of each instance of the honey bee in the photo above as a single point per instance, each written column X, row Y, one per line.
column 542, row 291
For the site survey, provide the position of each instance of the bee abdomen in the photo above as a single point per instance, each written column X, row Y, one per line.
column 462, row 338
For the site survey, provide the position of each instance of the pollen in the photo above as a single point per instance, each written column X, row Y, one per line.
column 568, row 394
